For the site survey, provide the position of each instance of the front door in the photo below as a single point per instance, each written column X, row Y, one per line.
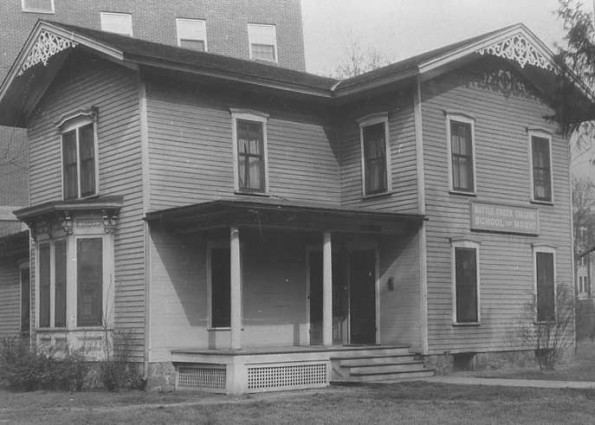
column 362, row 297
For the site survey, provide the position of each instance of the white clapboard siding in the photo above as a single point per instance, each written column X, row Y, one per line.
column 191, row 156
column 10, row 298
column 86, row 82
column 503, row 176
column 404, row 198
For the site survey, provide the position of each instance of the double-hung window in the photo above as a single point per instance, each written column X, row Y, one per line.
column 79, row 156
column 192, row 33
column 38, row 6
column 461, row 153
column 250, row 151
column 375, row 154
column 545, row 277
column 465, row 271
column 541, row 166
column 262, row 40
column 52, row 284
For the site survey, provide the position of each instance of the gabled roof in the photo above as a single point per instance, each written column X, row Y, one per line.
column 48, row 39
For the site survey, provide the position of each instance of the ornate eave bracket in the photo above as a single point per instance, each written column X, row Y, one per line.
column 517, row 48
column 46, row 46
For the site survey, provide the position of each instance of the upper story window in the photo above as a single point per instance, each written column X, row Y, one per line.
column 545, row 290
column 541, row 167
column 79, row 158
column 192, row 34
column 250, row 151
column 375, row 158
column 119, row 23
column 465, row 272
column 461, row 134
column 262, row 40
column 38, row 6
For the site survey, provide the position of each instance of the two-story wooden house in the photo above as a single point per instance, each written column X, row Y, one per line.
column 256, row 228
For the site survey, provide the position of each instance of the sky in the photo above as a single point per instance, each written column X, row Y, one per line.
column 403, row 28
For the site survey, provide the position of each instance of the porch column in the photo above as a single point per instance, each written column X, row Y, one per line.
column 236, row 289
column 327, row 290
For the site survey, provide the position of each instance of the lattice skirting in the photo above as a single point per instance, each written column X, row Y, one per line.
column 287, row 376
column 203, row 377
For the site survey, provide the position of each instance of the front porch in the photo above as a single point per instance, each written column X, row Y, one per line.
column 262, row 369
column 265, row 296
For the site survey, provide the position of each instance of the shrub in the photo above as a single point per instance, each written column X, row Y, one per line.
column 550, row 340
column 117, row 371
column 24, row 367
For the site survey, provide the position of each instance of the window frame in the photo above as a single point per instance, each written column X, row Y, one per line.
column 465, row 244
column 250, row 43
column 369, row 121
column 466, row 119
column 541, row 134
column 25, row 9
column 210, row 247
column 52, row 285
column 257, row 117
column 545, row 250
column 71, row 306
column 121, row 14
column 75, row 123
column 203, row 31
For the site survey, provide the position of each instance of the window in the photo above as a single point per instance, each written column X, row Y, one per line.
column 583, row 285
column 79, row 159
column 544, row 285
column 220, row 287
column 38, row 6
column 375, row 158
column 541, row 167
column 119, row 23
column 461, row 153
column 25, row 300
column 89, row 263
column 52, row 284
column 192, row 34
column 59, row 277
column 465, row 269
column 263, row 42
column 250, row 151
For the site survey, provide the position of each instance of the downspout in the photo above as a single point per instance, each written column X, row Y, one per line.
column 144, row 135
column 421, row 206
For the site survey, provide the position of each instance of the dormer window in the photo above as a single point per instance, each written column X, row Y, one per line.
column 79, row 158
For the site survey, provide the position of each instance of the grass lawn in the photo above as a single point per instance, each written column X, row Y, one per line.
column 405, row 403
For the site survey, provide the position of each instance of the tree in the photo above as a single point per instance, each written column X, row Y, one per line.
column 356, row 60
column 577, row 59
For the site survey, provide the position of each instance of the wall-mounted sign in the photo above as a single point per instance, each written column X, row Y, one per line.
column 504, row 218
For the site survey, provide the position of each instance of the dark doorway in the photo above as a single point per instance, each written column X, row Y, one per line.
column 362, row 297
column 25, row 301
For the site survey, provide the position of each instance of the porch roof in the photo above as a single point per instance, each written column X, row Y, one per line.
column 273, row 213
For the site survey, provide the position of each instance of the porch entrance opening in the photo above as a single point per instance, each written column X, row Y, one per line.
column 354, row 297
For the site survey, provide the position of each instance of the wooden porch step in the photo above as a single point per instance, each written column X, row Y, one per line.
column 389, row 377
column 386, row 368
column 377, row 360
column 363, row 352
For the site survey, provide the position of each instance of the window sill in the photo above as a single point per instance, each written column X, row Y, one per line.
column 78, row 329
column 211, row 329
column 48, row 330
column 377, row 195
column 459, row 192
column 43, row 12
column 246, row 193
column 535, row 201
column 466, row 325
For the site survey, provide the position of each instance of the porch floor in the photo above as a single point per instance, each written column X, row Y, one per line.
column 246, row 351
